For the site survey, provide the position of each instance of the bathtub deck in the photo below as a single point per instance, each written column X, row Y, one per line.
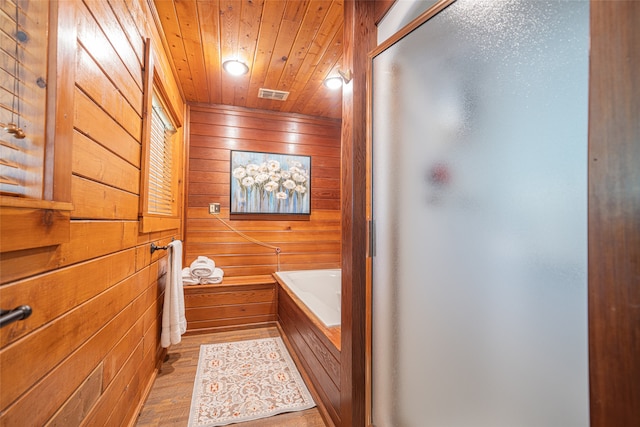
column 170, row 398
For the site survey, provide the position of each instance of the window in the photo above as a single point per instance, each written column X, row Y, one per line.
column 162, row 157
column 23, row 79
column 37, row 42
column 160, row 194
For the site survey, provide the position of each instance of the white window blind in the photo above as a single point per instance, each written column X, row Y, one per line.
column 160, row 191
column 23, row 82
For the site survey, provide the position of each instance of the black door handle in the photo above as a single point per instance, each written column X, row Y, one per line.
column 10, row 316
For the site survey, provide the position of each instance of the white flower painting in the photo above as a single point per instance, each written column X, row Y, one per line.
column 270, row 183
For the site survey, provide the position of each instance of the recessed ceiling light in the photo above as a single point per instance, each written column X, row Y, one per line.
column 235, row 67
column 333, row 82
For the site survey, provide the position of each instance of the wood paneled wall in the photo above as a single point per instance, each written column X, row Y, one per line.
column 305, row 244
column 614, row 214
column 360, row 39
column 87, row 354
column 242, row 302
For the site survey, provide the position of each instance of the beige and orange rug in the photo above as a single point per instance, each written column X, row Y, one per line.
column 245, row 380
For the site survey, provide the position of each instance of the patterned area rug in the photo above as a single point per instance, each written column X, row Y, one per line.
column 245, row 380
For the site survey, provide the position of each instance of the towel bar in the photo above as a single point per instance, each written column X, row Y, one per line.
column 155, row 247
column 18, row 313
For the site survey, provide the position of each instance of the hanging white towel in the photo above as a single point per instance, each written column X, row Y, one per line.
column 216, row 277
column 202, row 267
column 174, row 323
column 188, row 278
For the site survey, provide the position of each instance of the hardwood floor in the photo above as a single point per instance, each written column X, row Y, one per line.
column 170, row 398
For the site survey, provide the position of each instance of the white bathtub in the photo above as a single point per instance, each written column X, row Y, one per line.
column 319, row 290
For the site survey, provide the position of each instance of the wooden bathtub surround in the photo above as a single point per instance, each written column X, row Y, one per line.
column 316, row 349
column 237, row 302
column 320, row 403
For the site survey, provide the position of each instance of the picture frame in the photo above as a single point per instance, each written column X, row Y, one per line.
column 270, row 183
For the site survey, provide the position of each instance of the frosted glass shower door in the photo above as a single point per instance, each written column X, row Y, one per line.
column 479, row 285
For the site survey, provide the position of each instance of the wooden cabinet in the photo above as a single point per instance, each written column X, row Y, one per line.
column 236, row 302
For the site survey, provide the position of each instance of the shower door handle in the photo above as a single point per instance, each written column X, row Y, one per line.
column 371, row 239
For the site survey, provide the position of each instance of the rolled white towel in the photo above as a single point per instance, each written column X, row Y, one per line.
column 187, row 278
column 216, row 277
column 202, row 267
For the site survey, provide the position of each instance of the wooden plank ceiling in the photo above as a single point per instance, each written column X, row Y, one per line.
column 289, row 45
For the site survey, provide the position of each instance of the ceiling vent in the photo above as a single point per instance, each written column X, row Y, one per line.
column 278, row 95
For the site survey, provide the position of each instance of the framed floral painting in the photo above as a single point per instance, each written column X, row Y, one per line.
column 268, row 183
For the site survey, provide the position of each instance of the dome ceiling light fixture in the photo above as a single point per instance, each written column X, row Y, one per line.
column 336, row 82
column 235, row 67
column 333, row 82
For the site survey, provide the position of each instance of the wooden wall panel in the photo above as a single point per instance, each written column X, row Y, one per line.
column 132, row 29
column 360, row 39
column 53, row 225
column 88, row 353
column 305, row 244
column 118, row 355
column 110, row 409
column 44, row 349
column 104, row 15
column 71, row 413
column 93, row 122
column 93, row 161
column 614, row 214
column 53, row 288
column 92, row 81
column 94, row 40
column 102, row 201
column 45, row 396
column 238, row 302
